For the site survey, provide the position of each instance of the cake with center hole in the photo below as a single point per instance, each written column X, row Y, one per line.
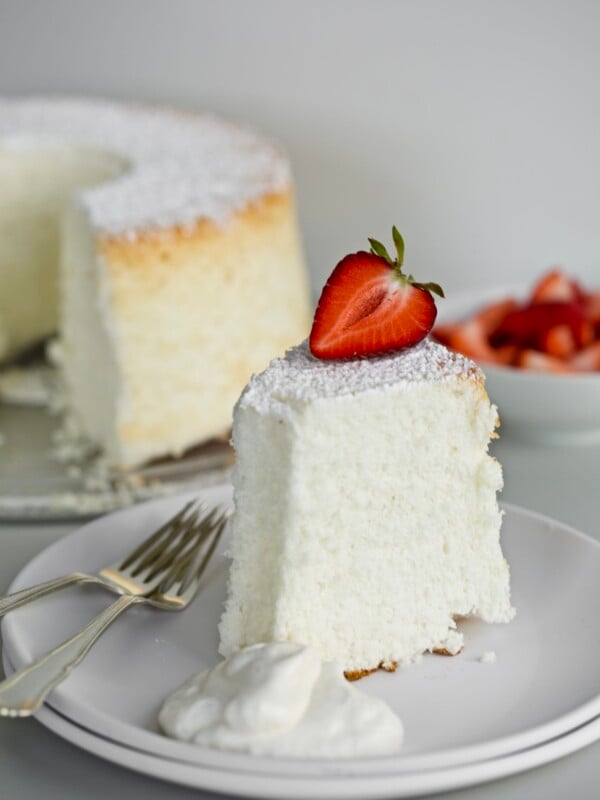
column 366, row 518
column 164, row 248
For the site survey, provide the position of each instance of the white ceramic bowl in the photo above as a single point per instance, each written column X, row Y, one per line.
column 535, row 406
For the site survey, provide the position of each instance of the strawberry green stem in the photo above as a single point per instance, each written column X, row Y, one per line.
column 378, row 249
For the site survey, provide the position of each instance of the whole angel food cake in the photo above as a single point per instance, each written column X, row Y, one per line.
column 366, row 519
column 165, row 249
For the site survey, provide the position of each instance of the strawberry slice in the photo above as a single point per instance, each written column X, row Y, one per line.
column 558, row 341
column 555, row 287
column 507, row 355
column 442, row 333
column 592, row 310
column 526, row 326
column 588, row 359
column 540, row 362
column 369, row 306
column 492, row 315
column 469, row 339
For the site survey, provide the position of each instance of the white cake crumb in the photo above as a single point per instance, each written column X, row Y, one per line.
column 70, row 445
column 489, row 657
column 55, row 353
column 453, row 643
column 28, row 386
column 100, row 488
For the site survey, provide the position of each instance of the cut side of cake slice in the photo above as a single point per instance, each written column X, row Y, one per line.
column 160, row 334
column 366, row 515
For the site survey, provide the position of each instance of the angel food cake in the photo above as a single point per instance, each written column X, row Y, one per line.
column 171, row 242
column 366, row 516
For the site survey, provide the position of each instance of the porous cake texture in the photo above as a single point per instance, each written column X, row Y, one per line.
column 366, row 517
column 180, row 264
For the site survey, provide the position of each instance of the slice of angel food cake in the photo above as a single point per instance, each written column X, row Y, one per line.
column 366, row 520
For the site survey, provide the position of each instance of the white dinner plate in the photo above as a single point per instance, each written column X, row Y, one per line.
column 409, row 784
column 456, row 711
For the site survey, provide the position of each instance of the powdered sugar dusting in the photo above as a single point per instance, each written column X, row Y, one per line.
column 177, row 168
column 301, row 377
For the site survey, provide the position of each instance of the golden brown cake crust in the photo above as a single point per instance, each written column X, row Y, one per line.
column 152, row 246
column 391, row 666
column 356, row 675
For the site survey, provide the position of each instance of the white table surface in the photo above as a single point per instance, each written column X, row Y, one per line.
column 561, row 482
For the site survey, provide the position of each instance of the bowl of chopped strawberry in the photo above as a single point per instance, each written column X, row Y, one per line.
column 540, row 350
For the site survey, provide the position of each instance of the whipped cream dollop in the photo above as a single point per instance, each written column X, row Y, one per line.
column 280, row 699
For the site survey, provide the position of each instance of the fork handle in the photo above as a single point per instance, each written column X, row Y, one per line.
column 11, row 601
column 24, row 692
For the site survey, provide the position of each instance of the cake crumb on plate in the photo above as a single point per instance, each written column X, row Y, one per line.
column 489, row 657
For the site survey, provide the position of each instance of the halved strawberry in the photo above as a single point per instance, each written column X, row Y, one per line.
column 369, row 306
column 555, row 287
column 540, row 362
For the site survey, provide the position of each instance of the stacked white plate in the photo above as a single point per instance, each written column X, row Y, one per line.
column 466, row 720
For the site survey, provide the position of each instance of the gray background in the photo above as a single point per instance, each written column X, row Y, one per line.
column 472, row 124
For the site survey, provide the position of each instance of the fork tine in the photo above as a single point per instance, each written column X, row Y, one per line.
column 208, row 555
column 154, row 539
column 177, row 550
column 184, row 580
column 191, row 583
column 169, row 556
column 163, row 543
column 201, row 533
column 167, row 544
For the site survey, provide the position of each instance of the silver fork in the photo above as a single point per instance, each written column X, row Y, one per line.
column 121, row 577
column 165, row 575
